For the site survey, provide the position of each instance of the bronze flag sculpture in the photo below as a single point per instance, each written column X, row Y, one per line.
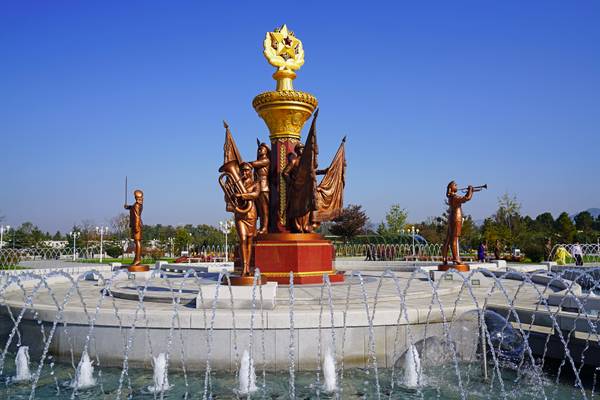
column 310, row 204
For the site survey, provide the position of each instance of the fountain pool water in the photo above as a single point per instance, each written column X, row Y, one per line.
column 84, row 376
column 329, row 372
column 22, row 365
column 161, row 378
column 247, row 375
column 487, row 334
column 412, row 368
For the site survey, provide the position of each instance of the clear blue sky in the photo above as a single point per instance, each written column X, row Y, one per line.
column 499, row 92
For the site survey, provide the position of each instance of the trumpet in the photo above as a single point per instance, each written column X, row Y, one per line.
column 475, row 188
column 231, row 183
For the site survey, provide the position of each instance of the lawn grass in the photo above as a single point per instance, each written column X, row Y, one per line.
column 120, row 260
column 10, row 267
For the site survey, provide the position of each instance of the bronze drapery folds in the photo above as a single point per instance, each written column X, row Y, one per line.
column 330, row 192
column 230, row 150
column 230, row 153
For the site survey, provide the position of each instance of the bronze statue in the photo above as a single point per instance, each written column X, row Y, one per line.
column 298, row 223
column 245, row 221
column 308, row 203
column 261, row 169
column 135, row 223
column 455, row 220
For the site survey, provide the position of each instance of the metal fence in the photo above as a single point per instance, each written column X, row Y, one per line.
column 590, row 251
column 389, row 252
column 12, row 257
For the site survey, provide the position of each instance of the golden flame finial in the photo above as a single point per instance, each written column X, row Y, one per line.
column 283, row 50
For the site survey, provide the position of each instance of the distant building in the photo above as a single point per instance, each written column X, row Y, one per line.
column 55, row 244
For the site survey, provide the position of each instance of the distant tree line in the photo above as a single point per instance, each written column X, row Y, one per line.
column 507, row 228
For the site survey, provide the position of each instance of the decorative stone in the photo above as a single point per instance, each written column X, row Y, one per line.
column 242, row 296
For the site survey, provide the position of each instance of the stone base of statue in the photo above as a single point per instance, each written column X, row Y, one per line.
column 138, row 268
column 243, row 280
column 307, row 255
column 457, row 267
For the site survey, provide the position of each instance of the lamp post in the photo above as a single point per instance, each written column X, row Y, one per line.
column 74, row 235
column 225, row 227
column 3, row 228
column 172, row 247
column 412, row 231
column 102, row 230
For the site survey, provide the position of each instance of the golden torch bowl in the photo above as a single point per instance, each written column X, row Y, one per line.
column 285, row 111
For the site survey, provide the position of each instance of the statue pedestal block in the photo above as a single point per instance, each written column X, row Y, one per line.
column 307, row 255
column 455, row 267
column 138, row 268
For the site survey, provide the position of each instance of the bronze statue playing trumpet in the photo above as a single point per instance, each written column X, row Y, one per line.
column 455, row 219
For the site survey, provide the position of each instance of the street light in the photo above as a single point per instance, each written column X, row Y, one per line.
column 3, row 228
column 172, row 247
column 412, row 231
column 225, row 227
column 102, row 230
column 74, row 235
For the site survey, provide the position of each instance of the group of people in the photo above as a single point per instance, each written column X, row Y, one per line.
column 560, row 257
column 482, row 251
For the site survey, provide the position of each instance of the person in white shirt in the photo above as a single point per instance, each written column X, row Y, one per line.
column 577, row 254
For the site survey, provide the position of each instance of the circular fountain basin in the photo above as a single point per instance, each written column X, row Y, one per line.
column 371, row 318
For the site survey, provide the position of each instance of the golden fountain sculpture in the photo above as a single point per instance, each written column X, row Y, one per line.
column 280, row 187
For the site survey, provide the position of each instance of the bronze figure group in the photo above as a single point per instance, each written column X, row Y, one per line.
column 247, row 189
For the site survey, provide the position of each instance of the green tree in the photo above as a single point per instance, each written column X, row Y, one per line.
column 565, row 228
column 114, row 250
column 544, row 223
column 351, row 222
column 28, row 235
column 433, row 229
column 470, row 234
column 395, row 220
column 182, row 240
column 584, row 221
column 505, row 225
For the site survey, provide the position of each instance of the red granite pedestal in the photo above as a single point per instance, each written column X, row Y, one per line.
column 307, row 255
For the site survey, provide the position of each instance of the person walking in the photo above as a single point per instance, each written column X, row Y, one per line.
column 497, row 250
column 481, row 252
